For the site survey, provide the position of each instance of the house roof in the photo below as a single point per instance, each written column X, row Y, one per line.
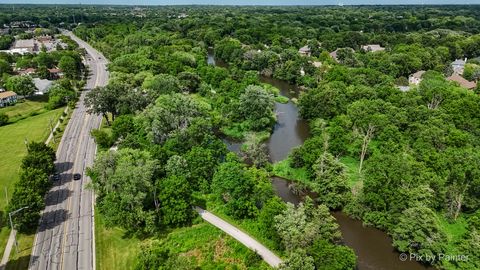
column 54, row 70
column 42, row 85
column 373, row 48
column 459, row 62
column 7, row 94
column 304, row 49
column 418, row 74
column 27, row 71
column 317, row 64
column 24, row 43
column 462, row 81
column 334, row 54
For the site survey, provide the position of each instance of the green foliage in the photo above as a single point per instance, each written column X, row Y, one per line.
column 102, row 138
column 331, row 182
column 332, row 257
column 255, row 151
column 233, row 185
column 175, row 198
column 33, row 185
column 3, row 119
column 299, row 226
column 256, row 106
column 418, row 232
column 170, row 115
column 70, row 66
column 59, row 96
column 22, row 85
column 298, row 260
column 243, row 190
column 161, row 85
column 123, row 182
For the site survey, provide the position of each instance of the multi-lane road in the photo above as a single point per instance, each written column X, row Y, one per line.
column 65, row 238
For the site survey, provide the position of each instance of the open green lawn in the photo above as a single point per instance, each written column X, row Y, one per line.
column 21, row 260
column 354, row 177
column 25, row 108
column 210, row 247
column 114, row 250
column 12, row 150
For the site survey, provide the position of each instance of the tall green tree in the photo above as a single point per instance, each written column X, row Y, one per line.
column 299, row 226
column 22, row 85
column 331, row 181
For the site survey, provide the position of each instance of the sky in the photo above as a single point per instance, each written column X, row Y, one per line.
column 244, row 2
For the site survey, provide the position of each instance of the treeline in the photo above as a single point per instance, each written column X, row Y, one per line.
column 29, row 192
column 420, row 151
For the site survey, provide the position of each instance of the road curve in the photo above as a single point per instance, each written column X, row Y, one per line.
column 65, row 236
column 267, row 255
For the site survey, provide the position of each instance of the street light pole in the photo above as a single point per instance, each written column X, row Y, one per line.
column 11, row 224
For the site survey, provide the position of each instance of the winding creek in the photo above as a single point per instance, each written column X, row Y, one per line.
column 372, row 247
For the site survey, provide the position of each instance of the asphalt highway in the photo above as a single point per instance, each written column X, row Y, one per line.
column 65, row 237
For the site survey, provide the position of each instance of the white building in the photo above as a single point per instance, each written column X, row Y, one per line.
column 458, row 66
column 416, row 77
column 373, row 48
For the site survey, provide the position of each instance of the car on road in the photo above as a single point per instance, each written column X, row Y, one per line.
column 77, row 176
column 56, row 177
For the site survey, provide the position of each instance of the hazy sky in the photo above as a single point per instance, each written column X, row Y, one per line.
column 244, row 2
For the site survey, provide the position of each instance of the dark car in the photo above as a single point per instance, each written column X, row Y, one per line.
column 56, row 177
column 77, row 176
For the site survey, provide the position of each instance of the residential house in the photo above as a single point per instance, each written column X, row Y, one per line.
column 373, row 48
column 42, row 86
column 403, row 88
column 416, row 77
column 305, row 51
column 55, row 73
column 461, row 81
column 458, row 66
column 7, row 98
column 27, row 71
column 334, row 53
column 25, row 44
column 317, row 64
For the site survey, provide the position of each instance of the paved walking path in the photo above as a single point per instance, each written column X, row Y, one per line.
column 8, row 249
column 267, row 255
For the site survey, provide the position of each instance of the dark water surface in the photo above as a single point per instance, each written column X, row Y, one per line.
column 372, row 247
column 289, row 131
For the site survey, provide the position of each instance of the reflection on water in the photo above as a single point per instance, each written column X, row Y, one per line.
column 289, row 131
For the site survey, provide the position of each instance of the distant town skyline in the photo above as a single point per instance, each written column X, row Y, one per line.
column 244, row 2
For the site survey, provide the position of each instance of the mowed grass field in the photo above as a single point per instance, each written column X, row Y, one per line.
column 25, row 108
column 12, row 150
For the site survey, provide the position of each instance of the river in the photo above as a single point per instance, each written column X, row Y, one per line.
column 372, row 247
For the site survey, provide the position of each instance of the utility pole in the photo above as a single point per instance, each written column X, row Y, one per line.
column 11, row 224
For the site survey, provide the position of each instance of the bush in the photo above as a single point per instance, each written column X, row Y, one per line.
column 101, row 137
column 3, row 119
column 282, row 99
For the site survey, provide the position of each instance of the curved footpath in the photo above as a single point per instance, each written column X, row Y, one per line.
column 267, row 255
